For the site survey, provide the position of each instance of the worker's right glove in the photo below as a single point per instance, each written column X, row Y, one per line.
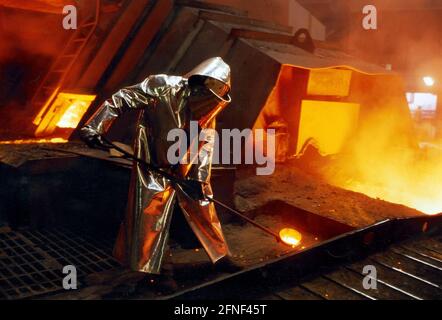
column 92, row 138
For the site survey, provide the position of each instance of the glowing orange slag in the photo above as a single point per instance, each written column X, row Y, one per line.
column 290, row 236
column 34, row 141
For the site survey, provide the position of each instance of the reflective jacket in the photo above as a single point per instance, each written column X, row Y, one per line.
column 163, row 102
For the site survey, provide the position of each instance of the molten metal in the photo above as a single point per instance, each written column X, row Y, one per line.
column 34, row 141
column 290, row 236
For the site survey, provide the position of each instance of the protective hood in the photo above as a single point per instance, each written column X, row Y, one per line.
column 214, row 68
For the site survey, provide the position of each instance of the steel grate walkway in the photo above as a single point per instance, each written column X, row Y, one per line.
column 31, row 262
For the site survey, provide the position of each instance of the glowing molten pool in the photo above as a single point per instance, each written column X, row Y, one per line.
column 290, row 236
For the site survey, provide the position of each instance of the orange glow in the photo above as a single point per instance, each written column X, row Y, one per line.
column 383, row 159
column 327, row 124
column 329, row 82
column 34, row 141
column 38, row 119
column 72, row 116
column 65, row 111
column 290, row 236
column 400, row 176
column 429, row 81
column 430, row 203
column 369, row 135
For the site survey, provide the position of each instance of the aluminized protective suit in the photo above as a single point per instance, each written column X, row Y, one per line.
column 164, row 104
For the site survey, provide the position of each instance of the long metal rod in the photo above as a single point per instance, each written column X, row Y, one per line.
column 183, row 184
column 239, row 214
column 165, row 174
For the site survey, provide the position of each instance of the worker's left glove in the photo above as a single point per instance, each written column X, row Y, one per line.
column 194, row 189
column 92, row 138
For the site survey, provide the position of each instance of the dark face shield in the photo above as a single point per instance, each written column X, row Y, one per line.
column 206, row 95
column 202, row 104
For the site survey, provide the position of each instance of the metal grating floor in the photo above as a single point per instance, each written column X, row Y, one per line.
column 31, row 262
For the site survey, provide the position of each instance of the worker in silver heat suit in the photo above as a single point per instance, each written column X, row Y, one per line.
column 167, row 102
